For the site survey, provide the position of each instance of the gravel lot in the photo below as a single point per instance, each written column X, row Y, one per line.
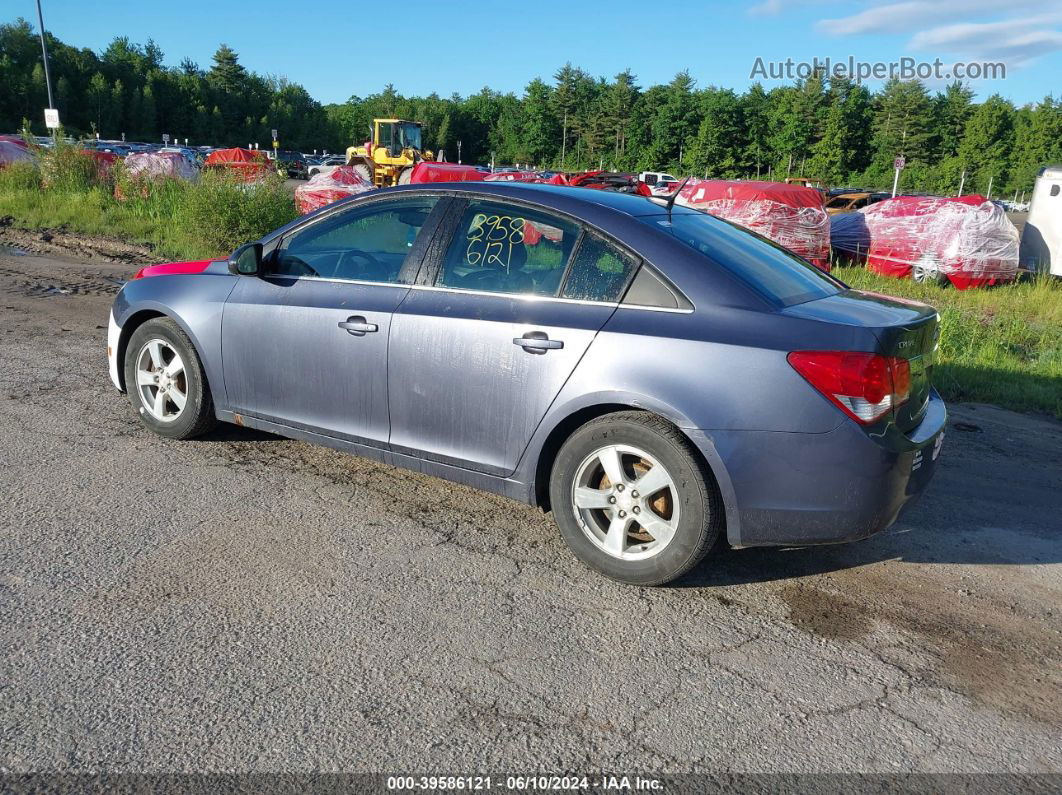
column 246, row 602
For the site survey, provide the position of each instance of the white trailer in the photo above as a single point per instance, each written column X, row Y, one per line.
column 1041, row 240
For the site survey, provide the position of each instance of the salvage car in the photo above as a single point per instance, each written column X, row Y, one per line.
column 658, row 378
column 326, row 164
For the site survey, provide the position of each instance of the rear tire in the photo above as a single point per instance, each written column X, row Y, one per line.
column 636, row 538
column 165, row 381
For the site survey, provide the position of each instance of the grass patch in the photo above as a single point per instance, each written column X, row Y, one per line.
column 181, row 220
column 1000, row 345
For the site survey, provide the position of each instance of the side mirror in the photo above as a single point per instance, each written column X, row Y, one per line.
column 246, row 260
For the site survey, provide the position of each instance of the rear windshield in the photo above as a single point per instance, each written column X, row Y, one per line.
column 777, row 273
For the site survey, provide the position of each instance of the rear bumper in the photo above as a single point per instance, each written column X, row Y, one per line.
column 797, row 488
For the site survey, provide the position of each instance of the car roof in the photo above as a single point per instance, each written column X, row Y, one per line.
column 562, row 197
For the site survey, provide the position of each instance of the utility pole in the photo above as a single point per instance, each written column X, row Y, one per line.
column 458, row 152
column 962, row 181
column 989, row 196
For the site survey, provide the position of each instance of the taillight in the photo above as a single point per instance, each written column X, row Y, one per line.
column 865, row 386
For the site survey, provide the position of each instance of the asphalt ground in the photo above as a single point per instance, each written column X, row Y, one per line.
column 249, row 603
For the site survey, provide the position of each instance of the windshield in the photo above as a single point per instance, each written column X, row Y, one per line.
column 774, row 271
column 408, row 136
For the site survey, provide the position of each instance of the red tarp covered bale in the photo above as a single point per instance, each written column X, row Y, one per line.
column 429, row 171
column 249, row 165
column 327, row 187
column 104, row 163
column 968, row 239
column 791, row 215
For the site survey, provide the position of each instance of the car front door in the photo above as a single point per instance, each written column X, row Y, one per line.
column 483, row 343
column 305, row 344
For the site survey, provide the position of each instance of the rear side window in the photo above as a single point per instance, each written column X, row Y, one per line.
column 508, row 249
column 599, row 271
column 770, row 269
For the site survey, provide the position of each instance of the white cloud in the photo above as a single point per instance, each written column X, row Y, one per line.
column 973, row 30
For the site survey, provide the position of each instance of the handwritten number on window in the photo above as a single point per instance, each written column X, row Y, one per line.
column 491, row 239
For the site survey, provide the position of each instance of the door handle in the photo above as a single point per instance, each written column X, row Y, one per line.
column 537, row 342
column 357, row 326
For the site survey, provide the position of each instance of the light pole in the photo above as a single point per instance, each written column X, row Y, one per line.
column 44, row 51
column 47, row 80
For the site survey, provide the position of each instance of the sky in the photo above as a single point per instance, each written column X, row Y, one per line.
column 337, row 49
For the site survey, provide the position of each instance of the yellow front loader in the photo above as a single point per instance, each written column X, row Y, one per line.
column 389, row 156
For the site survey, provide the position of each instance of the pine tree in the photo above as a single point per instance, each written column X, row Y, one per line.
column 903, row 123
column 830, row 155
column 754, row 104
column 718, row 146
column 674, row 124
column 227, row 75
column 951, row 110
column 540, row 138
column 618, row 105
column 987, row 140
column 1037, row 142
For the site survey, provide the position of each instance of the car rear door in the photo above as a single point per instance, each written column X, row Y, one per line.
column 305, row 345
column 485, row 340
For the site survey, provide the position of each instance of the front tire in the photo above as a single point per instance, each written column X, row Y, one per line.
column 925, row 275
column 633, row 500
column 165, row 381
column 364, row 172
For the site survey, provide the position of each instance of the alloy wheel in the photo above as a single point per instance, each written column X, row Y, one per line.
column 626, row 502
column 161, row 381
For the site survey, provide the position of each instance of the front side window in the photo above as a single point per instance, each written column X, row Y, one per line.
column 508, row 249
column 599, row 271
column 367, row 243
column 386, row 133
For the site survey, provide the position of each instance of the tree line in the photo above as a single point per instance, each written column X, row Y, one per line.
column 829, row 128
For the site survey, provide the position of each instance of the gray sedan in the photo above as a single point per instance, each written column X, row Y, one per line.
column 658, row 378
